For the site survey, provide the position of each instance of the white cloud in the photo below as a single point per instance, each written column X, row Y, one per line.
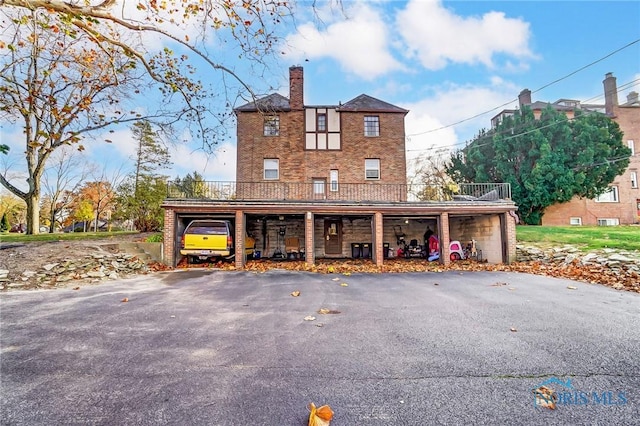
column 436, row 36
column 359, row 43
column 429, row 124
column 219, row 166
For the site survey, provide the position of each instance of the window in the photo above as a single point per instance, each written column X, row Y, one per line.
column 634, row 179
column 631, row 147
column 318, row 189
column 272, row 125
column 608, row 222
column 575, row 221
column 333, row 180
column 611, row 196
column 271, row 168
column 321, row 124
column 371, row 125
column 372, row 168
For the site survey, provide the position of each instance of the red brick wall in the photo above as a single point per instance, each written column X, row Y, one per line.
column 298, row 165
column 628, row 118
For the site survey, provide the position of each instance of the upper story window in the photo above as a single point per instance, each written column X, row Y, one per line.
column 371, row 125
column 333, row 180
column 372, row 168
column 271, row 168
column 631, row 147
column 611, row 196
column 272, row 125
column 634, row 179
column 321, row 122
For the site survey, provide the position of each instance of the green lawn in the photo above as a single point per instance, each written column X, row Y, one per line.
column 584, row 237
column 15, row 237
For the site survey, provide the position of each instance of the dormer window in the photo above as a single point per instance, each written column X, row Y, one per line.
column 272, row 125
column 371, row 125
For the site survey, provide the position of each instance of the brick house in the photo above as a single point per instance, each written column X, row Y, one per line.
column 329, row 181
column 621, row 204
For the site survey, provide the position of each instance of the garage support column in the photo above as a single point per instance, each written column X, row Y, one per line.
column 309, row 243
column 510, row 236
column 239, row 239
column 378, row 251
column 169, row 237
column 445, row 239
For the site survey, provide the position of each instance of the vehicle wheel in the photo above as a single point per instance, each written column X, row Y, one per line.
column 455, row 256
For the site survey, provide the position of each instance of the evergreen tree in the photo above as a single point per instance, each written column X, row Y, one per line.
column 547, row 160
column 4, row 223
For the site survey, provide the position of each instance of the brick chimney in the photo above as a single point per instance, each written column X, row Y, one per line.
column 296, row 88
column 524, row 98
column 610, row 93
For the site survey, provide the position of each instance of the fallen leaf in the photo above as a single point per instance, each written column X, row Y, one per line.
column 436, row 284
column 335, row 279
column 344, row 285
column 498, row 284
column 319, row 324
column 76, row 288
column 325, row 311
column 514, row 329
column 571, row 287
column 512, row 288
column 320, row 416
column 295, row 293
column 309, row 318
column 126, row 299
column 346, row 273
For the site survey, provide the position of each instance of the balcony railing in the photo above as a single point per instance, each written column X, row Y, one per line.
column 348, row 192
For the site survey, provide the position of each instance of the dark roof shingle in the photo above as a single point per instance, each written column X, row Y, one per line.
column 366, row 103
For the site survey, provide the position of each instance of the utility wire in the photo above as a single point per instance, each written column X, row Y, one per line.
column 537, row 90
column 447, row 148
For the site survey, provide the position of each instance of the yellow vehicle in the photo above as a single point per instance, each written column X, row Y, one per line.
column 208, row 238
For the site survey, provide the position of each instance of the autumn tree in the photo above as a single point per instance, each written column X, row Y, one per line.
column 63, row 175
column 70, row 66
column 548, row 160
column 428, row 178
column 83, row 212
column 13, row 207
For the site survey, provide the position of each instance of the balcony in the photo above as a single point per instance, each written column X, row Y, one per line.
column 336, row 192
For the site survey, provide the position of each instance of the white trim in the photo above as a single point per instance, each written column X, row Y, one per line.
column 271, row 165
column 609, row 196
column 372, row 169
column 608, row 221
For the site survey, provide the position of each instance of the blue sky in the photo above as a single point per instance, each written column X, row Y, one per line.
column 444, row 61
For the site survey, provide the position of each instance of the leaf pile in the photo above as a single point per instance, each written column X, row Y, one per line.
column 622, row 278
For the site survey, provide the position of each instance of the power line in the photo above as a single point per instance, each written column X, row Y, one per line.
column 447, row 148
column 537, row 90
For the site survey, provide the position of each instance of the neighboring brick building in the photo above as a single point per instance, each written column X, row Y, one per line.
column 329, row 181
column 621, row 205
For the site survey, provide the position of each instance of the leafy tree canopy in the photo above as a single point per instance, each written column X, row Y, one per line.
column 547, row 160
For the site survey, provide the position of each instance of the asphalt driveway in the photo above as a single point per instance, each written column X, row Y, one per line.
column 233, row 348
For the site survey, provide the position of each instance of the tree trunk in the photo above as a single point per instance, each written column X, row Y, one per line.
column 33, row 213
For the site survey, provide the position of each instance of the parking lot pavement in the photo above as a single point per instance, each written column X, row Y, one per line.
column 202, row 347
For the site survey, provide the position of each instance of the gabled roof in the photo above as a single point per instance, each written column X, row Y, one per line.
column 365, row 103
column 273, row 102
